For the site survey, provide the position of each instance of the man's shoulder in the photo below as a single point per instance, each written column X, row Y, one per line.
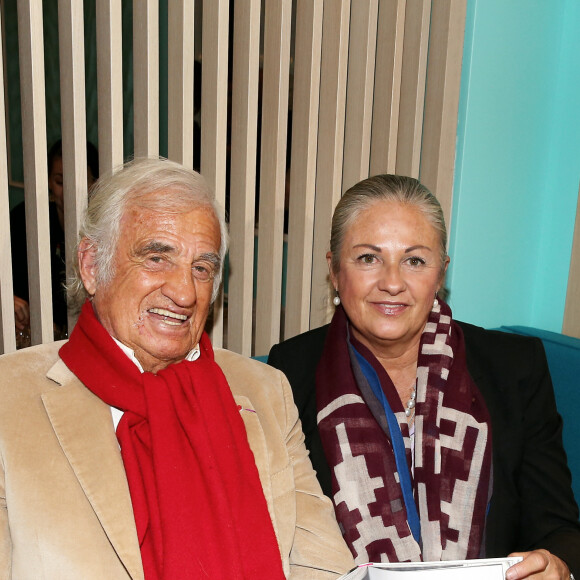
column 260, row 383
column 33, row 356
column 27, row 374
column 240, row 369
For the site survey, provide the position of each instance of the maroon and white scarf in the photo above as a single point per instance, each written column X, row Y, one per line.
column 452, row 473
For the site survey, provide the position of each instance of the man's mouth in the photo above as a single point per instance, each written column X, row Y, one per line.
column 169, row 317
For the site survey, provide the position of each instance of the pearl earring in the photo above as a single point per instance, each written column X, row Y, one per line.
column 435, row 302
column 336, row 299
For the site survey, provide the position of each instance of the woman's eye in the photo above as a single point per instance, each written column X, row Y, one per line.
column 416, row 261
column 367, row 259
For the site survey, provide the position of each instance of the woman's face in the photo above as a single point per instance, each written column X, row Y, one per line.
column 390, row 270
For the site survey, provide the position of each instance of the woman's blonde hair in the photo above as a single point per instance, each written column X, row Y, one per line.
column 387, row 187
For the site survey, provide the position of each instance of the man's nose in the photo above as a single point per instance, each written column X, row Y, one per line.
column 180, row 287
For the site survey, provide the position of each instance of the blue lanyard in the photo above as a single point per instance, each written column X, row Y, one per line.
column 398, row 446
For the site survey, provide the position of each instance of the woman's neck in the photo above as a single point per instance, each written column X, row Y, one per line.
column 399, row 359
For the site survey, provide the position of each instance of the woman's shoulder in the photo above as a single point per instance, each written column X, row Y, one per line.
column 495, row 342
column 305, row 347
column 298, row 358
column 503, row 356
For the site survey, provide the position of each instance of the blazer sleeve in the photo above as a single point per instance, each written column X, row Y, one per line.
column 532, row 505
column 318, row 551
column 549, row 516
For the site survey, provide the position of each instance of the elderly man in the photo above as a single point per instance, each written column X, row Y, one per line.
column 134, row 450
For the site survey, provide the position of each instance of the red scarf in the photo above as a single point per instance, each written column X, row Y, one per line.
column 199, row 506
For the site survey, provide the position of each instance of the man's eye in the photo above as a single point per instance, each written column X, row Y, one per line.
column 156, row 259
column 202, row 272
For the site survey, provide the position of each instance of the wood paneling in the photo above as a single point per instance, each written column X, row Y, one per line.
column 180, row 84
column 146, row 76
column 7, row 338
column 369, row 86
column 571, row 324
column 359, row 92
column 110, row 84
column 387, row 94
column 442, row 100
column 74, row 134
column 30, row 45
column 307, row 56
column 412, row 97
column 214, row 115
column 331, row 119
column 276, row 68
column 244, row 148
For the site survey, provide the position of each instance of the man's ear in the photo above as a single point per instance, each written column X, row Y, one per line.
column 87, row 253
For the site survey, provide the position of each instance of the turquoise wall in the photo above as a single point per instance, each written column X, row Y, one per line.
column 517, row 165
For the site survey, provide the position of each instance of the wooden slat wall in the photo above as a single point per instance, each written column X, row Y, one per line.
column 387, row 95
column 30, row 46
column 275, row 85
column 7, row 338
column 244, row 147
column 412, row 97
column 359, row 91
column 303, row 168
column 180, row 84
column 571, row 324
column 109, row 84
column 442, row 99
column 74, row 136
column 146, row 76
column 372, row 86
column 214, row 114
column 331, row 120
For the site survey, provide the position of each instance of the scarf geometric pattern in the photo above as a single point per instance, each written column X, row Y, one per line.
column 451, row 482
column 198, row 503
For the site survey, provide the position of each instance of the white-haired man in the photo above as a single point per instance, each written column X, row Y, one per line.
column 134, row 450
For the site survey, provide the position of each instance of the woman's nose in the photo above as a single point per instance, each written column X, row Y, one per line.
column 180, row 287
column 391, row 279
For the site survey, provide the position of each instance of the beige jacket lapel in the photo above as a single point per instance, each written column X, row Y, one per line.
column 84, row 427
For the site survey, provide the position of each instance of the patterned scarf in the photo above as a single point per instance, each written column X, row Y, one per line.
column 197, row 499
column 451, row 484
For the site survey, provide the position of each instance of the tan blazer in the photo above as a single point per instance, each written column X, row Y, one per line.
column 65, row 509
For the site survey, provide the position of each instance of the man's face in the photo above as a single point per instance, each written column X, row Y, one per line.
column 159, row 297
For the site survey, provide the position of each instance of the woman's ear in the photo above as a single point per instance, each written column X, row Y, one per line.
column 444, row 272
column 330, row 270
column 87, row 253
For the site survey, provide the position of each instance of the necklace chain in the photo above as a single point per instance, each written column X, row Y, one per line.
column 410, row 408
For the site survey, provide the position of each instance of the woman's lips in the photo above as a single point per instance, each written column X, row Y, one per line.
column 390, row 309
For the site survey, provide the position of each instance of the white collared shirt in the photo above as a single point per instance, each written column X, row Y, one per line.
column 192, row 355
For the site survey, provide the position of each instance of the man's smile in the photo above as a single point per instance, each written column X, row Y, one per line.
column 169, row 317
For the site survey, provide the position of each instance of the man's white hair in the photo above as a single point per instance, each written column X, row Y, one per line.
column 179, row 190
